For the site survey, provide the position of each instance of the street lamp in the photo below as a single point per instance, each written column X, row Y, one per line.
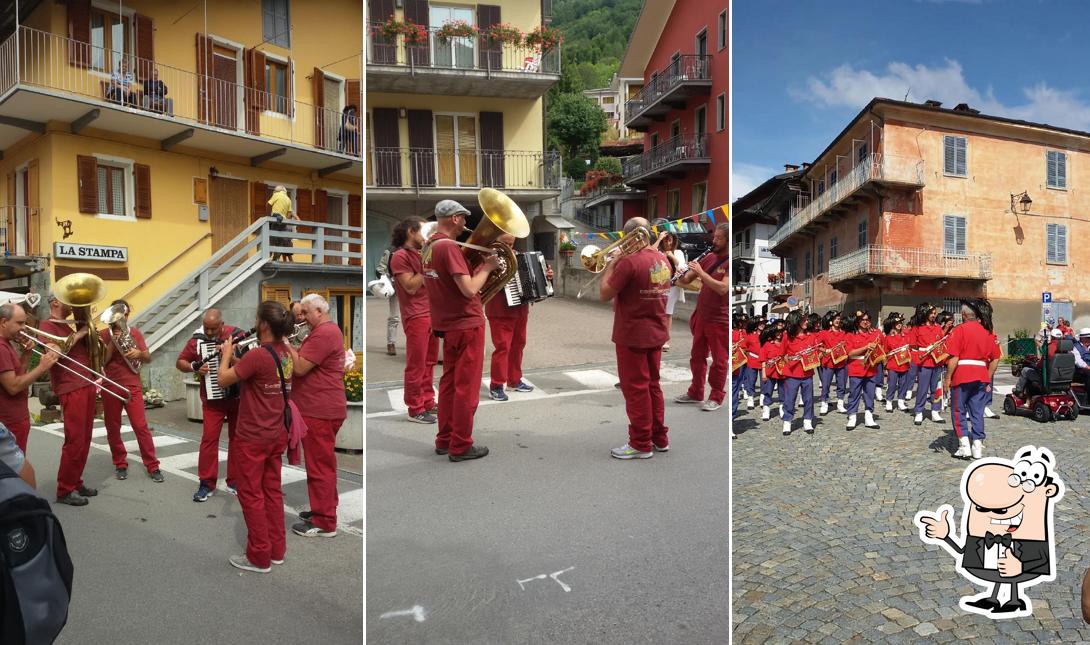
column 1021, row 199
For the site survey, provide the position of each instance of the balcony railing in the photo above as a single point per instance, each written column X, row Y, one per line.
column 877, row 167
column 43, row 59
column 919, row 263
column 683, row 70
column 454, row 169
column 680, row 148
column 468, row 53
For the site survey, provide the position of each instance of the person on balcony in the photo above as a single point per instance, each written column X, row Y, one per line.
column 156, row 92
column 120, row 88
column 349, row 137
column 280, row 206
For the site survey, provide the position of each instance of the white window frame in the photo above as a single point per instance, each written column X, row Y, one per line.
column 1065, row 260
column 954, row 174
column 457, row 150
column 955, row 253
column 1065, row 158
column 130, row 35
column 290, row 71
column 721, row 112
column 240, row 102
column 696, row 42
column 722, row 35
column 130, row 185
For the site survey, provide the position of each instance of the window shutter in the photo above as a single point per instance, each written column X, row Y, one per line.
column 277, row 293
column 961, row 235
column 962, row 161
column 260, row 193
column 1061, row 170
column 490, row 56
column 355, row 219
column 289, row 92
column 318, row 96
column 353, row 94
column 204, row 82
column 304, row 208
column 142, row 188
column 948, row 155
column 387, row 140
column 79, row 31
column 253, row 68
column 1061, row 243
column 492, row 149
column 145, row 46
column 422, row 147
column 87, row 178
column 417, row 11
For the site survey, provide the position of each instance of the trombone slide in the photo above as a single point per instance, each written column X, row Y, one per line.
column 125, row 399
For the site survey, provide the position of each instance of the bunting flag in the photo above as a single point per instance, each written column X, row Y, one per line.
column 715, row 216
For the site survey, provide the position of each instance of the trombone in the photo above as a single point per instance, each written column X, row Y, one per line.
column 596, row 260
column 63, row 342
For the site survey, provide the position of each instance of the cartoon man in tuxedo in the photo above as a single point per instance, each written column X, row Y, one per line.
column 1007, row 528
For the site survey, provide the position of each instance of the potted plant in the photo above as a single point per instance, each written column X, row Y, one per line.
column 547, row 38
column 413, row 33
column 567, row 248
column 455, row 29
column 503, row 33
column 350, row 437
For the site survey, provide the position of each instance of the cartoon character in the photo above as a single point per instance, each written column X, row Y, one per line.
column 1006, row 528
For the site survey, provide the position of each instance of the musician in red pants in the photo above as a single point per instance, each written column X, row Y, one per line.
column 508, row 326
column 15, row 378
column 117, row 368
column 709, row 324
column 457, row 317
column 215, row 412
column 421, row 345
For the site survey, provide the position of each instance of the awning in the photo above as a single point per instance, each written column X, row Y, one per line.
column 745, row 261
column 558, row 222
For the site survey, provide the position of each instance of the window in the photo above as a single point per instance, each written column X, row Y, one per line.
column 952, row 307
column 1056, row 235
column 675, row 64
column 953, row 236
column 954, row 160
column 702, row 43
column 832, row 178
column 111, row 190
column 820, row 258
column 862, row 232
column 110, row 40
column 654, row 140
column 861, row 154
column 652, row 207
column 1056, row 169
column 675, row 129
column 722, row 29
column 673, row 203
column 748, row 241
column 701, row 121
column 275, row 26
column 832, row 247
column 700, row 197
column 607, row 100
column 821, row 187
column 806, row 266
column 721, row 112
column 276, row 84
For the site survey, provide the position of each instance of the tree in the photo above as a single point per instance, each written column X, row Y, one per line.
column 575, row 125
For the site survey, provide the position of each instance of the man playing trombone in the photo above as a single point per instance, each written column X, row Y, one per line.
column 14, row 376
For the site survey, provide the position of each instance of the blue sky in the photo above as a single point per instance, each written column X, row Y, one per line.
column 803, row 68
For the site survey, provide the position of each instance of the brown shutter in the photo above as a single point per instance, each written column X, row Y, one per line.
column 321, row 214
column 290, row 92
column 145, row 46
column 387, row 146
column 204, row 81
column 79, row 31
column 261, row 193
column 355, row 218
column 304, row 208
column 421, row 148
column 417, row 11
column 277, row 293
column 492, row 157
column 318, row 85
column 353, row 94
column 491, row 56
column 87, row 177
column 255, row 99
column 142, row 181
column 384, row 50
column 33, row 204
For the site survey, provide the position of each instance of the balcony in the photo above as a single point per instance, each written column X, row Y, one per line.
column 874, row 170
column 674, row 158
column 38, row 84
column 604, row 194
column 458, row 67
column 412, row 173
column 685, row 78
column 864, row 265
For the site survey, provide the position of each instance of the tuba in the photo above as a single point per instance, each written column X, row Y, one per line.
column 114, row 318
column 80, row 291
column 501, row 215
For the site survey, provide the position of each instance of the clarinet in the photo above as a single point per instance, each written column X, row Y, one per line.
column 681, row 274
column 240, row 338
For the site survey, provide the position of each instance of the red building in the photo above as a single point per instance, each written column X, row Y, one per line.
column 680, row 49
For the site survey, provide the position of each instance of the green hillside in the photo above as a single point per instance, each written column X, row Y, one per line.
column 595, row 36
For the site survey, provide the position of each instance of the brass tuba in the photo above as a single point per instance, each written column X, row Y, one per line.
column 80, row 291
column 501, row 215
column 114, row 318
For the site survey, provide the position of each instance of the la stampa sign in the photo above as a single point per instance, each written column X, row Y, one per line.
column 65, row 251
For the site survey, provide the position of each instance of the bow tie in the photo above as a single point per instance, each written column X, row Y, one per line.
column 991, row 539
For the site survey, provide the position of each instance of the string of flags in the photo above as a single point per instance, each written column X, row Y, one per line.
column 714, row 215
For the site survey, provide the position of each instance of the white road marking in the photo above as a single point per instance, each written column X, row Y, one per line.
column 160, row 441
column 179, row 463
column 523, row 587
column 673, row 374
column 555, row 576
column 397, row 400
column 350, row 506
column 417, row 612
column 593, row 379
column 486, row 401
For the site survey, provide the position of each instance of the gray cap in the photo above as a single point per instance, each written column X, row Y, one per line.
column 449, row 208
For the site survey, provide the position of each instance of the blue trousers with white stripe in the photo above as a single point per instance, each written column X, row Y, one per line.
column 969, row 398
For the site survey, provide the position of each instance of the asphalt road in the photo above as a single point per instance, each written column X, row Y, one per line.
column 548, row 539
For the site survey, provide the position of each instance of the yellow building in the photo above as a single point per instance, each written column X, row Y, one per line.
column 141, row 141
column 450, row 112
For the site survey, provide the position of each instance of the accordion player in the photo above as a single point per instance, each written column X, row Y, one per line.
column 530, row 283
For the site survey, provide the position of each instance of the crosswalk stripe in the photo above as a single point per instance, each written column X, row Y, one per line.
column 161, row 441
column 350, row 506
column 100, row 431
column 593, row 379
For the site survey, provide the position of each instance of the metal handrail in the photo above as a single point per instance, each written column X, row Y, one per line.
column 435, row 168
column 886, row 260
column 691, row 67
column 472, row 54
column 680, row 148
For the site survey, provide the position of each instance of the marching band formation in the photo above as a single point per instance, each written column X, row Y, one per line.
column 927, row 355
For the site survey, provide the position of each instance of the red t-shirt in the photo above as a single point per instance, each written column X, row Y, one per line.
column 970, row 341
column 406, row 260
column 118, row 368
column 320, row 392
column 712, row 306
column 795, row 347
column 771, row 350
column 892, row 342
column 450, row 309
column 13, row 409
column 642, row 282
column 64, row 381
column 857, row 365
column 753, row 351
column 497, row 307
column 830, row 338
column 190, row 354
column 261, row 401
column 923, row 337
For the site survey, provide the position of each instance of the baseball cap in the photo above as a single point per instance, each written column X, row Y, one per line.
column 1085, row 331
column 449, row 208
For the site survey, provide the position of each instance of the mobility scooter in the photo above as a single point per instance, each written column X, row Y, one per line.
column 1054, row 399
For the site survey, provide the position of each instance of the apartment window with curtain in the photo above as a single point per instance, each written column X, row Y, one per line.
column 700, row 197
column 275, row 23
column 862, row 232
column 955, row 156
column 832, row 247
column 111, row 40
column 111, row 189
column 1056, row 169
column 821, row 258
column 673, row 203
column 1056, row 242
column 954, row 243
column 276, row 84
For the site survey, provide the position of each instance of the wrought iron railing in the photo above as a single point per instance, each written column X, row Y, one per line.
column 686, row 68
column 469, row 53
column 923, row 263
column 874, row 167
column 680, row 148
column 450, row 168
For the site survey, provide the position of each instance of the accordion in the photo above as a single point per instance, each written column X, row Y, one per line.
column 738, row 357
column 209, row 353
column 838, row 353
column 529, row 283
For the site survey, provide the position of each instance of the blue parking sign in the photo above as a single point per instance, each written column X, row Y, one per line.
column 1046, row 296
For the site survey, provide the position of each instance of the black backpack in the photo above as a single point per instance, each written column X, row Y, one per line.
column 35, row 570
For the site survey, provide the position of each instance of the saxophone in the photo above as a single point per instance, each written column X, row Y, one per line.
column 114, row 318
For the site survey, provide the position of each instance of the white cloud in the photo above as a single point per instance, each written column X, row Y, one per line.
column 847, row 86
column 744, row 177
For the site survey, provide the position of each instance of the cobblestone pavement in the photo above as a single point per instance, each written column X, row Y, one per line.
column 824, row 545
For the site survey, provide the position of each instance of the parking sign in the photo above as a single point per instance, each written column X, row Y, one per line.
column 1046, row 297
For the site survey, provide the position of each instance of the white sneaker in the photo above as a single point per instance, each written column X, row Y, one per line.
column 978, row 449
column 824, row 409
column 988, row 414
column 901, row 405
column 808, row 425
column 889, row 405
column 786, row 428
column 781, row 412
column 840, row 407
column 919, row 419
column 868, row 419
column 765, row 413
column 710, row 406
column 963, row 451
column 851, row 422
column 878, row 393
column 749, row 402
column 936, row 417
column 685, row 398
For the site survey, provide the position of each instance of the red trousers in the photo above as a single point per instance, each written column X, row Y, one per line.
column 509, row 338
column 111, row 411
column 708, row 337
column 208, row 462
column 257, row 472
column 321, row 463
column 460, row 388
column 78, row 412
column 421, row 355
column 639, row 373
column 21, row 432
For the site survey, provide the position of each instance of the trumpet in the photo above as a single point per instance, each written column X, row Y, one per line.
column 596, row 259
column 67, row 344
column 114, row 318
